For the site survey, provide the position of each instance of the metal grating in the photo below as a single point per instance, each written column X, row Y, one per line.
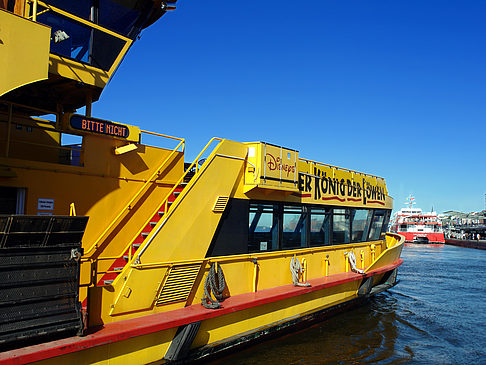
column 39, row 278
column 178, row 284
column 220, row 204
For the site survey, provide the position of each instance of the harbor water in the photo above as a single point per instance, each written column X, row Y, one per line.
column 435, row 315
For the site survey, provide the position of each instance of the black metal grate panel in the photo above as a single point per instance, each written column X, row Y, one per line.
column 39, row 277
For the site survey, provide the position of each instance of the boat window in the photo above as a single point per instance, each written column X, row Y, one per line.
column 123, row 17
column 81, row 9
column 263, row 227
column 231, row 236
column 386, row 222
column 320, row 220
column 376, row 225
column 258, row 226
column 360, row 223
column 340, row 224
column 8, row 200
column 403, row 228
column 80, row 42
column 294, row 227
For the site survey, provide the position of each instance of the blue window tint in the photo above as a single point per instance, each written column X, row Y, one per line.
column 320, row 226
column 377, row 225
column 80, row 42
column 360, row 223
column 340, row 223
column 294, row 227
column 263, row 228
column 119, row 18
column 77, row 7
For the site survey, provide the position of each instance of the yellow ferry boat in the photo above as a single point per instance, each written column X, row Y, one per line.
column 112, row 250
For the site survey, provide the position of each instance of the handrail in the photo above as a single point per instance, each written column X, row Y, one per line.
column 161, row 135
column 181, row 179
column 74, row 17
column 340, row 168
column 164, row 202
column 128, row 206
column 45, row 111
column 65, row 148
column 260, row 256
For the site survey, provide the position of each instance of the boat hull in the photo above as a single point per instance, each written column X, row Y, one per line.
column 242, row 319
column 419, row 237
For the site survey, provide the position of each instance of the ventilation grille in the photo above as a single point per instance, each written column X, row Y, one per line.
column 220, row 204
column 178, row 285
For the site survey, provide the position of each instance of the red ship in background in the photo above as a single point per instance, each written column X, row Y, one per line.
column 417, row 226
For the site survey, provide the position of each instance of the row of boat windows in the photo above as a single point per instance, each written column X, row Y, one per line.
column 248, row 227
column 274, row 226
column 414, row 227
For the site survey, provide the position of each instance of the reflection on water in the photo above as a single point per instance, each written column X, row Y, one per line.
column 435, row 315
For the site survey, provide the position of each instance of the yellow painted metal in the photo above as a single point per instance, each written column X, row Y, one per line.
column 24, row 51
column 125, row 149
column 163, row 202
column 145, row 349
column 395, row 243
column 326, row 184
column 326, row 263
column 134, row 199
column 247, row 321
column 220, row 204
column 273, row 266
column 271, row 167
column 241, row 272
column 78, row 71
column 178, row 284
column 72, row 210
column 31, row 139
column 102, row 186
column 172, row 233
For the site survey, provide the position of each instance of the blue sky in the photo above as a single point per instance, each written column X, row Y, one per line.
column 392, row 88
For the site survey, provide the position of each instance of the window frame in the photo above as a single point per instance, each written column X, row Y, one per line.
column 330, row 213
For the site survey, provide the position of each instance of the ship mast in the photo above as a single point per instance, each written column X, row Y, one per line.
column 410, row 201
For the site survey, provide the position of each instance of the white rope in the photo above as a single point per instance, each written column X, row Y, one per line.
column 352, row 262
column 296, row 270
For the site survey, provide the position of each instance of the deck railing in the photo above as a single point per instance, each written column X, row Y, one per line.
column 132, row 202
column 164, row 204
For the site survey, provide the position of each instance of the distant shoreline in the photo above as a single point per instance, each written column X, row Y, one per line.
column 478, row 244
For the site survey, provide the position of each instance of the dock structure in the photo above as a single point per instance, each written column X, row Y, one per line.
column 478, row 244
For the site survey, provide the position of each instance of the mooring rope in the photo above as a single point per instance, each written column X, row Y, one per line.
column 352, row 262
column 214, row 284
column 295, row 270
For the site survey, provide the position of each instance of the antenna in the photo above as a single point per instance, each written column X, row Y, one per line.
column 411, row 201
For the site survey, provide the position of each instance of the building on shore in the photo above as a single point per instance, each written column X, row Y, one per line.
column 468, row 226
